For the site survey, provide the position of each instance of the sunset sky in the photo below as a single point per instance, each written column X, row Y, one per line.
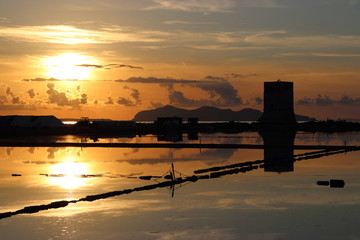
column 113, row 58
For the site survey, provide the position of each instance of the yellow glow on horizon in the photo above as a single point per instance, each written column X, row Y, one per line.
column 66, row 66
column 69, row 174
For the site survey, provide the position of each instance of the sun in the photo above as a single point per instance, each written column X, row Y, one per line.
column 67, row 66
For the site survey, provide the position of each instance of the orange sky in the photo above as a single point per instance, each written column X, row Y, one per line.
column 103, row 59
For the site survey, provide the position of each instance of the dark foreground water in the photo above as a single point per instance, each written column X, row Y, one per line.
column 280, row 202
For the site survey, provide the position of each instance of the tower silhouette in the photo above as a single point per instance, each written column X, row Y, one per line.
column 278, row 103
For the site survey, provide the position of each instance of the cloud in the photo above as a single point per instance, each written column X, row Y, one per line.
column 177, row 98
column 110, row 101
column 347, row 100
column 47, row 80
column 236, row 75
column 3, row 100
column 61, row 98
column 17, row 107
column 258, row 100
column 327, row 101
column 156, row 104
column 135, row 94
column 220, row 87
column 31, row 93
column 156, row 80
column 3, row 20
column 13, row 99
column 67, row 34
column 178, row 22
column 194, row 5
column 108, row 66
column 9, row 92
column 317, row 54
column 211, row 6
column 221, row 94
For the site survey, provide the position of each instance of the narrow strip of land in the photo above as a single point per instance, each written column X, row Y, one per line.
column 170, row 145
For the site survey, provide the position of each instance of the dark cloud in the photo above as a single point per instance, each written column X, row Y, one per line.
column 347, row 100
column 156, row 80
column 221, row 94
column 108, row 66
column 61, row 99
column 110, row 101
column 327, row 101
column 16, row 107
column 156, row 104
column 324, row 100
column 83, row 99
column 135, row 95
column 9, row 92
column 13, row 98
column 221, row 89
column 3, row 100
column 236, row 75
column 305, row 101
column 16, row 100
column 177, row 98
column 47, row 80
column 31, row 93
column 258, row 100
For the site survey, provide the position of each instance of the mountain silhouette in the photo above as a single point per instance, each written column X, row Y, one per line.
column 206, row 113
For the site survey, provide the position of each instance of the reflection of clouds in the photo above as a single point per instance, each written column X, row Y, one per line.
column 133, row 150
column 31, row 150
column 40, row 162
column 210, row 156
column 9, row 150
column 110, row 207
column 274, row 198
column 351, row 138
column 51, row 152
column 197, row 234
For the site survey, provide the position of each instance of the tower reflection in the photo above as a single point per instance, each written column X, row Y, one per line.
column 278, row 150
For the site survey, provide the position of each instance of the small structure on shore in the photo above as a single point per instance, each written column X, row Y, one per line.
column 169, row 122
column 278, row 103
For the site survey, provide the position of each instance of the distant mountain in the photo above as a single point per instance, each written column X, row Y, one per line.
column 205, row 114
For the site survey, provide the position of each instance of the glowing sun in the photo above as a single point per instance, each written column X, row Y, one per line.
column 68, row 66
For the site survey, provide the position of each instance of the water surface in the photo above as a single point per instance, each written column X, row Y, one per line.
column 258, row 204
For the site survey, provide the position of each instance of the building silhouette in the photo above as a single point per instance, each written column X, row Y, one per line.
column 278, row 103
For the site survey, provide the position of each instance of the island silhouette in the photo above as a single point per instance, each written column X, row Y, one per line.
column 206, row 113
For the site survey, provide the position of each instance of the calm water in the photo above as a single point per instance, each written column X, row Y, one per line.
column 258, row 204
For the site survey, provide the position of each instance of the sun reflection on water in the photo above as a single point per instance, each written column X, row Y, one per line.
column 69, row 174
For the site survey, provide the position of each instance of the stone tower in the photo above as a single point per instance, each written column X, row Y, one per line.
column 278, row 103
